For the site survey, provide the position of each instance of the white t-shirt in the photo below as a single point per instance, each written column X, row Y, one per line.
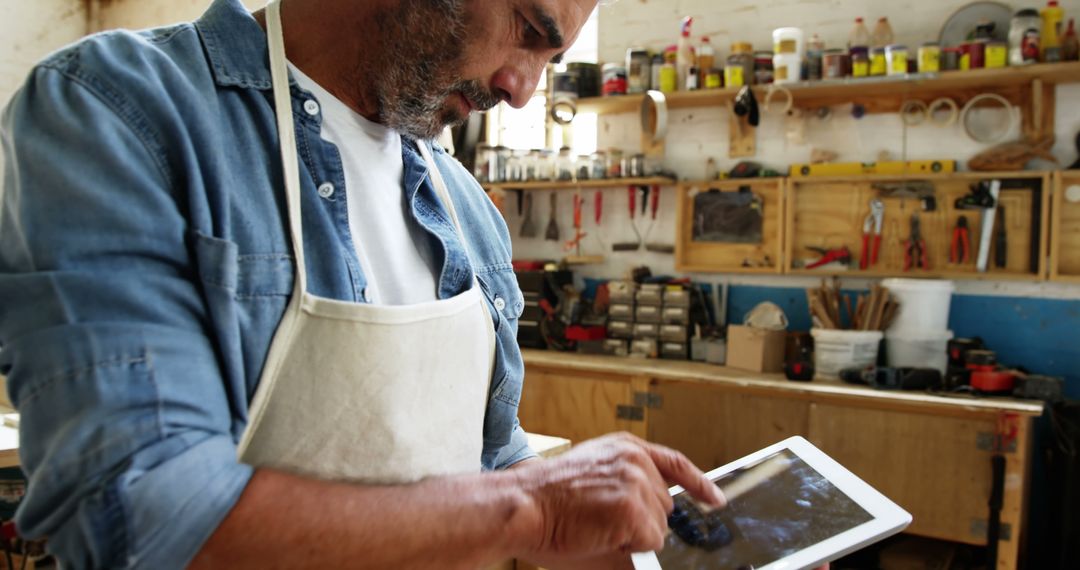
column 394, row 250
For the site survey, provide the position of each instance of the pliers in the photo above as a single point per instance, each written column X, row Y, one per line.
column 840, row 255
column 960, row 252
column 871, row 239
column 915, row 252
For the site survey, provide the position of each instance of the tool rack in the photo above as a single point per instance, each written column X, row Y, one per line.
column 1065, row 230
column 829, row 213
column 705, row 257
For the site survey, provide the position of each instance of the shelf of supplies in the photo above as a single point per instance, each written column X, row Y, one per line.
column 882, row 94
column 582, row 184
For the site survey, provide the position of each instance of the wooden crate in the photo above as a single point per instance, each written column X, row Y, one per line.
column 1065, row 228
column 829, row 213
column 709, row 257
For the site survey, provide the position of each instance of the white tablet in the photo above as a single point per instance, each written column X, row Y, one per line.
column 790, row 507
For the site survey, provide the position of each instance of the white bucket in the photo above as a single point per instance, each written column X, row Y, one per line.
column 924, row 304
column 918, row 349
column 836, row 350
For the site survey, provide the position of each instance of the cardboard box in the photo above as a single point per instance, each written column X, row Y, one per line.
column 756, row 350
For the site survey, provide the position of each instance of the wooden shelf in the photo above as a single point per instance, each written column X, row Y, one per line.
column 720, row 257
column 877, row 94
column 605, row 183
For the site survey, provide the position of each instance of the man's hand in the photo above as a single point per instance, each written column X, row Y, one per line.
column 606, row 497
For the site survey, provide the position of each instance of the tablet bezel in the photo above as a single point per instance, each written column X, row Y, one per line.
column 888, row 517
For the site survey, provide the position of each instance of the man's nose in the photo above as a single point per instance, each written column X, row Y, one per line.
column 515, row 83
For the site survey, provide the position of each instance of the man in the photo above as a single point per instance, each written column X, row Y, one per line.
column 253, row 320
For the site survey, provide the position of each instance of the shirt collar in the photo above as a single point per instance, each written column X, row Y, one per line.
column 235, row 45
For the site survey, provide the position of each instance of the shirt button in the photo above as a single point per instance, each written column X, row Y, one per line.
column 326, row 190
column 311, row 107
column 500, row 304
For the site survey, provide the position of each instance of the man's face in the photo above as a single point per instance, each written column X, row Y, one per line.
column 447, row 58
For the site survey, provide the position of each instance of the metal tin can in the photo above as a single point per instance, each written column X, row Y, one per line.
column 929, row 58
column 973, row 55
column 860, row 64
column 763, row 67
column 997, row 54
column 833, row 65
column 878, row 62
column 589, row 80
column 565, row 85
column 897, row 57
column 950, row 59
column 614, row 79
column 638, row 70
column 714, row 79
column 669, row 78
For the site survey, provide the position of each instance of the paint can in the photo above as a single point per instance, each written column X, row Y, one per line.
column 950, row 59
column 878, row 62
column 897, row 56
column 615, row 82
column 833, row 64
column 588, row 75
column 997, row 54
column 929, row 58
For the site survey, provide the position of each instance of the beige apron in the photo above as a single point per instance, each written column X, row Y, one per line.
column 377, row 394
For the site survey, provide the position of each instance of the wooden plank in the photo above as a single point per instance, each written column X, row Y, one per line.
column 712, row 257
column 546, row 364
column 573, row 405
column 546, row 445
column 713, row 427
column 742, row 137
column 926, row 464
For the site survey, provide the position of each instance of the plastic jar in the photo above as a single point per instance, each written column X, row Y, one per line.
column 878, row 62
column 1024, row 37
column 789, row 47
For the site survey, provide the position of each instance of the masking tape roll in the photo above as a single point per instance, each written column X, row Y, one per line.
column 654, row 105
column 939, row 105
column 995, row 136
column 563, row 110
column 789, row 103
column 913, row 112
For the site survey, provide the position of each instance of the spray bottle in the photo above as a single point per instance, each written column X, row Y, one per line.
column 685, row 58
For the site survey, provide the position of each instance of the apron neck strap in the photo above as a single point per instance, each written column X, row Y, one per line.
column 279, row 73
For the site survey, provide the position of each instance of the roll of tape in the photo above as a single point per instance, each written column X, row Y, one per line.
column 939, row 105
column 563, row 110
column 654, row 115
column 913, row 112
column 994, row 136
column 789, row 99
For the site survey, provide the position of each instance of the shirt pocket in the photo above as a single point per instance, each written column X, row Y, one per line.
column 243, row 276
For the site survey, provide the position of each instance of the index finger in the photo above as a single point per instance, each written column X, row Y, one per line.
column 677, row 469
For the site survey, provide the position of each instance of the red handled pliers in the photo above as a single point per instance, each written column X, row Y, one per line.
column 915, row 252
column 871, row 238
column 839, row 255
column 960, row 252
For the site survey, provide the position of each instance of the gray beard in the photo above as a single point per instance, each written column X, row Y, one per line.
column 419, row 68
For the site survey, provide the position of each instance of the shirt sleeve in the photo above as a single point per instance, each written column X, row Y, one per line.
column 516, row 451
column 104, row 335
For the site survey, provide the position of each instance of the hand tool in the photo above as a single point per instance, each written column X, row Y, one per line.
column 528, row 226
column 553, row 226
column 915, row 255
column 654, row 206
column 838, row 255
column 871, row 240
column 989, row 203
column 636, row 245
column 575, row 244
column 1001, row 242
column 960, row 250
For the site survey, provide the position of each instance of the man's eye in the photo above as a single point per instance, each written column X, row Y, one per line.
column 531, row 33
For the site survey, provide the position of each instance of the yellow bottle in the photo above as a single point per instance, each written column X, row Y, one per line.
column 1052, row 17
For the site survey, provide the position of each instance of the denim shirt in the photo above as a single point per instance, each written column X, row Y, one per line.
column 145, row 264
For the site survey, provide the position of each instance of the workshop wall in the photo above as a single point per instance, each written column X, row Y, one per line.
column 137, row 14
column 1044, row 311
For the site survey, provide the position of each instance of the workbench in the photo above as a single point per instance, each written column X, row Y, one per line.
column 929, row 453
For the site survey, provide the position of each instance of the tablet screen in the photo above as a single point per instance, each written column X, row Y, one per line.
column 776, row 507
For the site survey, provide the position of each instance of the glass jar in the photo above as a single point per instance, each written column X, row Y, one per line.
column 614, row 163
column 500, row 164
column 545, row 165
column 598, row 165
column 484, row 162
column 532, row 166
column 739, row 70
column 564, row 165
column 763, row 67
column 584, row 167
column 638, row 70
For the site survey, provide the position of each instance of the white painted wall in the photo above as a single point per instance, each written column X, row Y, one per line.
column 137, row 14
column 698, row 134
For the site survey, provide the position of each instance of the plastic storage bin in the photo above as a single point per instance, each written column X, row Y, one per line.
column 836, row 350
column 918, row 349
column 924, row 304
